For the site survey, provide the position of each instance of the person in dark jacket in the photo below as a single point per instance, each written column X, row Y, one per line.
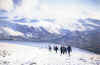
column 69, row 49
column 55, row 48
column 63, row 49
column 50, row 48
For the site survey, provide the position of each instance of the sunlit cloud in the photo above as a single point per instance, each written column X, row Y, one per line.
column 65, row 13
column 52, row 9
column 6, row 5
column 28, row 8
column 66, row 16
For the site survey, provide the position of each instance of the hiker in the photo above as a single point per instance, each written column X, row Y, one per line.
column 55, row 48
column 50, row 48
column 69, row 49
column 63, row 49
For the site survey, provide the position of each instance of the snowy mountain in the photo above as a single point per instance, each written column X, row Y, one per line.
column 83, row 33
column 22, row 30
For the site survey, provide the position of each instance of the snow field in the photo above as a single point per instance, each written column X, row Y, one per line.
column 27, row 55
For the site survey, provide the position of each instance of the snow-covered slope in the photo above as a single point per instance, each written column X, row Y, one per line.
column 53, row 27
column 26, row 55
column 83, row 33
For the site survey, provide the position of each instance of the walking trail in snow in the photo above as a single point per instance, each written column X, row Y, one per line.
column 14, row 54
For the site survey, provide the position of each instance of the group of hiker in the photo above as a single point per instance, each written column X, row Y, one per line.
column 62, row 49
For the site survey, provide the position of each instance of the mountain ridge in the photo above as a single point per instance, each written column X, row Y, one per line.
column 85, row 31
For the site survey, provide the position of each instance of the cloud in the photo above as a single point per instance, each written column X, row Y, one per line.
column 64, row 12
column 67, row 15
column 6, row 5
column 28, row 8
column 50, row 8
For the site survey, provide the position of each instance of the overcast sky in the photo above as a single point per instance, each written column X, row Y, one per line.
column 64, row 13
column 60, row 10
column 53, row 8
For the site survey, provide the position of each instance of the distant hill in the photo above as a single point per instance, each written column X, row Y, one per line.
column 86, row 33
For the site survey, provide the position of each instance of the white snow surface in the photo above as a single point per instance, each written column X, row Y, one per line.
column 31, row 55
